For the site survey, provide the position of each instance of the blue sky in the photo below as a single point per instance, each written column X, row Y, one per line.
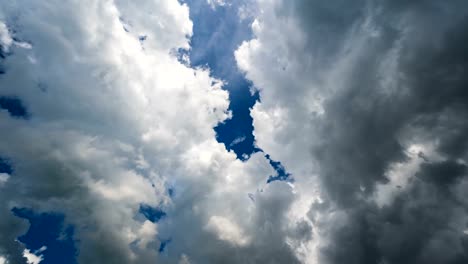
column 47, row 229
column 217, row 33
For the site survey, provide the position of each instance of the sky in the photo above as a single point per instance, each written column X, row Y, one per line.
column 221, row 131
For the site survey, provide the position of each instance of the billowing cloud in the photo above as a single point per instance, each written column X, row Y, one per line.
column 115, row 122
column 365, row 103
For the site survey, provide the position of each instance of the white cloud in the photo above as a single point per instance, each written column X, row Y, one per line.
column 226, row 230
column 110, row 119
column 146, row 234
column 184, row 259
column 5, row 38
column 34, row 258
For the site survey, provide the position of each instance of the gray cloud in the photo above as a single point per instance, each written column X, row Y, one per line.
column 370, row 82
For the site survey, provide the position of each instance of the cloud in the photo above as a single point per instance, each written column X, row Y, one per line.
column 360, row 102
column 226, row 230
column 237, row 141
column 5, row 38
column 113, row 124
column 4, row 178
column 214, row 3
column 348, row 91
column 34, row 258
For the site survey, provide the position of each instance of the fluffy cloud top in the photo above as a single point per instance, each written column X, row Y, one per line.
column 115, row 121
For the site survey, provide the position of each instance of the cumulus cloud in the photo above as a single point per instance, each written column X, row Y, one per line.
column 363, row 104
column 227, row 230
column 116, row 121
column 366, row 105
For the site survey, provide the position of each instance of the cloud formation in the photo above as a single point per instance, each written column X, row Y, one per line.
column 361, row 103
column 116, row 122
column 365, row 103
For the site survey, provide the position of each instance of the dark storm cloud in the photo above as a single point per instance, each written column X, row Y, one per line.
column 364, row 124
column 442, row 173
column 371, row 99
column 325, row 22
column 431, row 96
column 417, row 228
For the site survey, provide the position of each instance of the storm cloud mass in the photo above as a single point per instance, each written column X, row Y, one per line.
column 108, row 130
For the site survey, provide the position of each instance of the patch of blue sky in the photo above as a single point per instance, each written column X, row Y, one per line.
column 5, row 166
column 48, row 231
column 14, row 106
column 217, row 33
column 170, row 191
column 163, row 245
column 282, row 174
column 153, row 214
